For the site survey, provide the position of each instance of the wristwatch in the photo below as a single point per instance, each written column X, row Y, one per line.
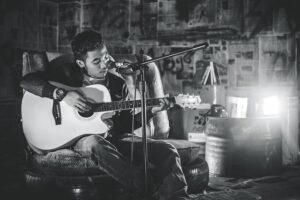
column 60, row 93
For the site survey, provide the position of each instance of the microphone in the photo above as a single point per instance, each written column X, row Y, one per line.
column 116, row 65
column 121, row 67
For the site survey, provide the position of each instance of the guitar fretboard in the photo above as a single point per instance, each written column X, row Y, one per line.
column 124, row 105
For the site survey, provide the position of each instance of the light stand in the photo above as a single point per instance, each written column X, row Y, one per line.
column 143, row 67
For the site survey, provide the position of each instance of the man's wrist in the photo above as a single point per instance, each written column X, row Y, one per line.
column 59, row 94
column 47, row 90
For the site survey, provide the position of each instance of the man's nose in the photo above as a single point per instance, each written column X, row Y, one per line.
column 103, row 65
column 106, row 58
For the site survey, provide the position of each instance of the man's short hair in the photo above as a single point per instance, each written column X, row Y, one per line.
column 85, row 41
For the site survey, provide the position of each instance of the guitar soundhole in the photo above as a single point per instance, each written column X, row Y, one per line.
column 86, row 114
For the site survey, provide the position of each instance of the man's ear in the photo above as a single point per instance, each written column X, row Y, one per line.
column 80, row 63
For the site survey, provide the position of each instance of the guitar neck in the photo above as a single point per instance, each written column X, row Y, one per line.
column 124, row 105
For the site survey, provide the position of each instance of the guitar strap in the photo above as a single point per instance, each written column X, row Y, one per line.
column 56, row 112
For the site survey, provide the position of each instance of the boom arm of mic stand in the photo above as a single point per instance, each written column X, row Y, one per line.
column 137, row 66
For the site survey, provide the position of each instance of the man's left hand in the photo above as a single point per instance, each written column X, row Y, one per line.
column 164, row 104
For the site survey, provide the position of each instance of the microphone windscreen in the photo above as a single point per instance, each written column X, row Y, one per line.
column 110, row 64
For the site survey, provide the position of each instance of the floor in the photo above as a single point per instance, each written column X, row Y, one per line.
column 284, row 186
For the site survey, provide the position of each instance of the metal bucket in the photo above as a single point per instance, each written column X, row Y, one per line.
column 243, row 148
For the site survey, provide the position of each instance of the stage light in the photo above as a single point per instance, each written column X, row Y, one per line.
column 271, row 106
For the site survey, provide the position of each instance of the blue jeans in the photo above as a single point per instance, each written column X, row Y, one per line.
column 112, row 157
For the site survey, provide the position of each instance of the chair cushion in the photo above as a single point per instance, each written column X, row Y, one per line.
column 64, row 162
column 67, row 162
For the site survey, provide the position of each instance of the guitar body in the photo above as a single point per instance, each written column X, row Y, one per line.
column 39, row 125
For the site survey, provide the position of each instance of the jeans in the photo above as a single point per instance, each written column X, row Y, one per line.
column 112, row 157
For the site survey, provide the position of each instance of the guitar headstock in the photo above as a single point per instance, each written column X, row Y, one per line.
column 188, row 101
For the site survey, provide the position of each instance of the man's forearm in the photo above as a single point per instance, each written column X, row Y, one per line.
column 36, row 85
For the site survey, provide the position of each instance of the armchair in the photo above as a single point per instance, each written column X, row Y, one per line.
column 71, row 172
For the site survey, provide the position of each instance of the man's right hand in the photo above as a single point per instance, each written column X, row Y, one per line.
column 76, row 100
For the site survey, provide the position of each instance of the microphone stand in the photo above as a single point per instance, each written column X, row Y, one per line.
column 143, row 67
column 144, row 118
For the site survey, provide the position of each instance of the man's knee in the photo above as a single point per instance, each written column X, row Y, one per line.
column 88, row 143
column 168, row 148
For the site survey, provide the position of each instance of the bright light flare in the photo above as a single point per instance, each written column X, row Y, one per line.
column 271, row 105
